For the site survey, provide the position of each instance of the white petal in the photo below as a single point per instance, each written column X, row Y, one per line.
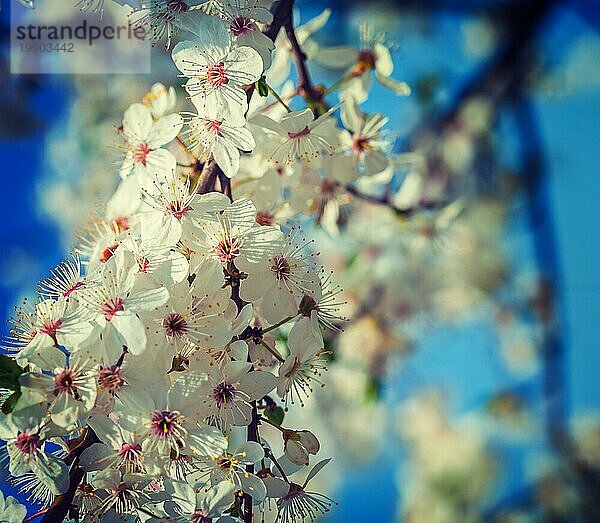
column 95, row 457
column 53, row 472
column 400, row 88
column 159, row 162
column 160, row 229
column 251, row 452
column 337, row 57
column 383, row 60
column 206, row 441
column 148, row 299
column 296, row 452
column 258, row 384
column 278, row 303
column 352, row 116
column 209, row 276
column 255, row 487
column 244, row 65
column 185, row 390
column 131, row 331
column 137, row 122
column 185, row 54
column 276, row 488
column 316, row 469
column 239, row 350
column 297, row 120
column 227, row 158
column 165, row 130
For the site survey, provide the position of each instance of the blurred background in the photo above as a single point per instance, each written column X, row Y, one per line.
column 465, row 387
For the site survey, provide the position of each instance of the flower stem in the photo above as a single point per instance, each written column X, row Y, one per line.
column 337, row 84
column 269, row 454
column 278, row 356
column 282, row 322
column 269, row 422
column 36, row 515
column 278, row 98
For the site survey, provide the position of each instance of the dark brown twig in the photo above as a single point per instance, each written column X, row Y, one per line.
column 305, row 86
column 61, row 505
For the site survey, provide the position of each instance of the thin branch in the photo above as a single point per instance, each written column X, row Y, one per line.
column 270, row 455
column 305, row 86
column 279, row 324
column 61, row 505
column 36, row 515
column 278, row 356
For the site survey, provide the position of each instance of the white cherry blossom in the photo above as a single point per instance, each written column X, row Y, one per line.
column 216, row 70
column 144, row 138
column 210, row 133
column 116, row 301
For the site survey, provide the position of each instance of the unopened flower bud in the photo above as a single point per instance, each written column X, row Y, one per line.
column 296, row 452
column 309, row 441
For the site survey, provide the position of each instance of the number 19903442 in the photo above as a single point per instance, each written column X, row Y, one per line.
column 47, row 47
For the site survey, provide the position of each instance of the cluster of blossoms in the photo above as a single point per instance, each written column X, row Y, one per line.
column 139, row 382
column 155, row 352
column 430, row 259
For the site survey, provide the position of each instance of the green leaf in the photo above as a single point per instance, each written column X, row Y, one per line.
column 9, row 373
column 262, row 86
column 10, row 402
column 275, row 415
column 372, row 390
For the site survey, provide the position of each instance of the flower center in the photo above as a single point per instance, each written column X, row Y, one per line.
column 299, row 134
column 111, row 307
column 228, row 250
column 241, row 25
column 225, row 463
column 148, row 98
column 71, row 290
column 294, row 368
column 223, row 394
column 328, row 188
column 64, row 383
column 144, row 264
column 120, row 224
column 50, row 328
column 360, row 144
column 264, row 218
column 178, row 209
column 198, row 516
column 365, row 61
column 176, row 6
column 307, row 305
column 165, row 423
column 108, row 253
column 281, row 268
column 214, row 126
column 140, row 153
column 216, row 75
column 111, row 379
column 28, row 443
column 175, row 325
column 130, row 451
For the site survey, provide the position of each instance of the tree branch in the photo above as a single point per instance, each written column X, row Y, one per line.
column 305, row 86
column 61, row 505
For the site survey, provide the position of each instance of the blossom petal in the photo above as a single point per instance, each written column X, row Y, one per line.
column 131, row 331
column 258, row 384
column 165, row 130
column 137, row 122
column 53, row 472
